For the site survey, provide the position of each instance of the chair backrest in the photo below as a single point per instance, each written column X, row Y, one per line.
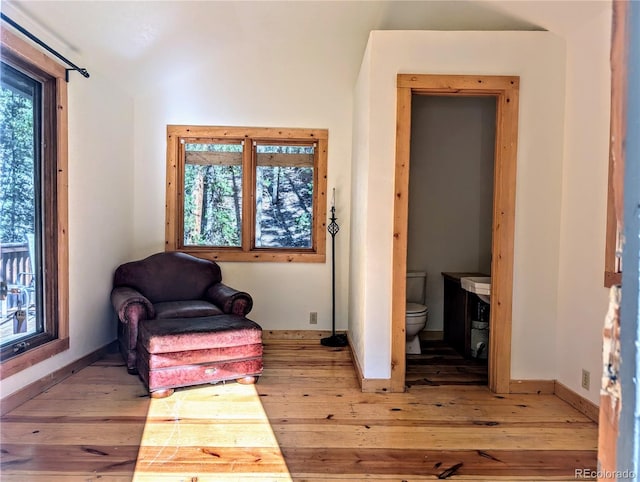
column 169, row 276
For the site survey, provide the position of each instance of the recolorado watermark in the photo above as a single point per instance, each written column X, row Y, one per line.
column 590, row 474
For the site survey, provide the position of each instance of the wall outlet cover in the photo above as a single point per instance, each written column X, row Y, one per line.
column 586, row 379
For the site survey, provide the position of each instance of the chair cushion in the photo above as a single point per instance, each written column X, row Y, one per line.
column 209, row 356
column 186, row 309
column 184, row 334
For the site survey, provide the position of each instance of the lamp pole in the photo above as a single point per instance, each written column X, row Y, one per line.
column 333, row 228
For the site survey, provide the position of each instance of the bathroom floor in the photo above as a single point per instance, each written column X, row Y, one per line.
column 439, row 364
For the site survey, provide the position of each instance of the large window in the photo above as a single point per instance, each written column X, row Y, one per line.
column 247, row 194
column 33, row 207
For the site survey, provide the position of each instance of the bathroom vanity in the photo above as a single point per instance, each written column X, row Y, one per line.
column 460, row 309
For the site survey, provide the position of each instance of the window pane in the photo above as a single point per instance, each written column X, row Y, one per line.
column 284, row 196
column 213, row 194
column 21, row 306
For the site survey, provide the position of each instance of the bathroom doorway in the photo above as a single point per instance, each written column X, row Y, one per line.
column 449, row 234
column 503, row 91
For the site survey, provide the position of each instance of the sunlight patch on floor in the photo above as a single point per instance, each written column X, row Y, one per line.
column 206, row 433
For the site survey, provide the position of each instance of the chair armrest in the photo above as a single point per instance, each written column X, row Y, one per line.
column 230, row 301
column 131, row 305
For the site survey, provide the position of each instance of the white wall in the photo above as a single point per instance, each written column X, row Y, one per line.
column 359, row 195
column 117, row 212
column 100, row 212
column 582, row 298
column 283, row 86
column 450, row 191
column 538, row 58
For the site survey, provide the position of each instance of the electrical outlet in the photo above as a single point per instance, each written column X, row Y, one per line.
column 586, row 379
column 313, row 318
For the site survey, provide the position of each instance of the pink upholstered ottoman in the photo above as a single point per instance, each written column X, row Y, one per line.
column 179, row 352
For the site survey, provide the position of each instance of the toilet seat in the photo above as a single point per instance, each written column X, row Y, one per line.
column 415, row 309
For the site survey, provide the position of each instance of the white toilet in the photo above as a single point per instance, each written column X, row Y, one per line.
column 416, row 312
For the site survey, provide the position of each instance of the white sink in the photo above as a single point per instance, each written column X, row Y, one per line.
column 480, row 285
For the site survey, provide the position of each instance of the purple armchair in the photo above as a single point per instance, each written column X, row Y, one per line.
column 169, row 285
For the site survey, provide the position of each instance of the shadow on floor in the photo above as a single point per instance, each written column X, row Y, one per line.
column 439, row 364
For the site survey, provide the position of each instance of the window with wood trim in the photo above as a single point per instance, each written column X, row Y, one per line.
column 247, row 194
column 33, row 206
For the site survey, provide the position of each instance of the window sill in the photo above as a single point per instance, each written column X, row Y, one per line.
column 36, row 355
column 279, row 257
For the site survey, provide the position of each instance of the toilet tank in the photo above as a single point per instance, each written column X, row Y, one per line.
column 416, row 286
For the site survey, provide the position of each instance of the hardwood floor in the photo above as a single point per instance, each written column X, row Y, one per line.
column 305, row 420
column 439, row 365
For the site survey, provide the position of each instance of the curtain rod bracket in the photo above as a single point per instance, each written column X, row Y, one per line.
column 35, row 39
column 82, row 71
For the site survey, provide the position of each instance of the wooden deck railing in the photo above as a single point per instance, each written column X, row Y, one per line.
column 15, row 261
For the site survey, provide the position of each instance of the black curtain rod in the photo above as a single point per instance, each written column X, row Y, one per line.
column 28, row 34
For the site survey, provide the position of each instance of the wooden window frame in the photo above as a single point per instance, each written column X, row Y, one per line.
column 174, row 228
column 34, row 62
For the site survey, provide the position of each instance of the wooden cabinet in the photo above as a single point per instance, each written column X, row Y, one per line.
column 460, row 308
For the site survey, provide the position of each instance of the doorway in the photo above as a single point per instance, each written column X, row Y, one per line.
column 449, row 234
column 505, row 91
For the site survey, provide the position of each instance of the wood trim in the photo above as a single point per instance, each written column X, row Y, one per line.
column 296, row 334
column 247, row 251
column 618, row 134
column 612, row 279
column 453, row 84
column 257, row 133
column 400, row 240
column 612, row 276
column 62, row 209
column 503, row 232
column 376, row 385
column 171, row 204
column 356, row 362
column 505, row 89
column 554, row 387
column 17, row 46
column 539, row 387
column 248, row 240
column 368, row 385
column 25, row 394
column 577, row 401
column 281, row 256
column 320, row 200
column 32, row 357
column 610, row 402
column 55, row 178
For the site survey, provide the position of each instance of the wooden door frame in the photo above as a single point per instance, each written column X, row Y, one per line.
column 617, row 447
column 506, row 91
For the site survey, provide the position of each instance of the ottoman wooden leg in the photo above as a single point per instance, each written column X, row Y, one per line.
column 167, row 392
column 248, row 380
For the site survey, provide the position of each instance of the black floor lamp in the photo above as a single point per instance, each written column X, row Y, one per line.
column 333, row 228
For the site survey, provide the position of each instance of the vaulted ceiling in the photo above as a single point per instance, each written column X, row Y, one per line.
column 135, row 42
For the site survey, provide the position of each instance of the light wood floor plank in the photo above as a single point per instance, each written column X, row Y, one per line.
column 306, row 420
